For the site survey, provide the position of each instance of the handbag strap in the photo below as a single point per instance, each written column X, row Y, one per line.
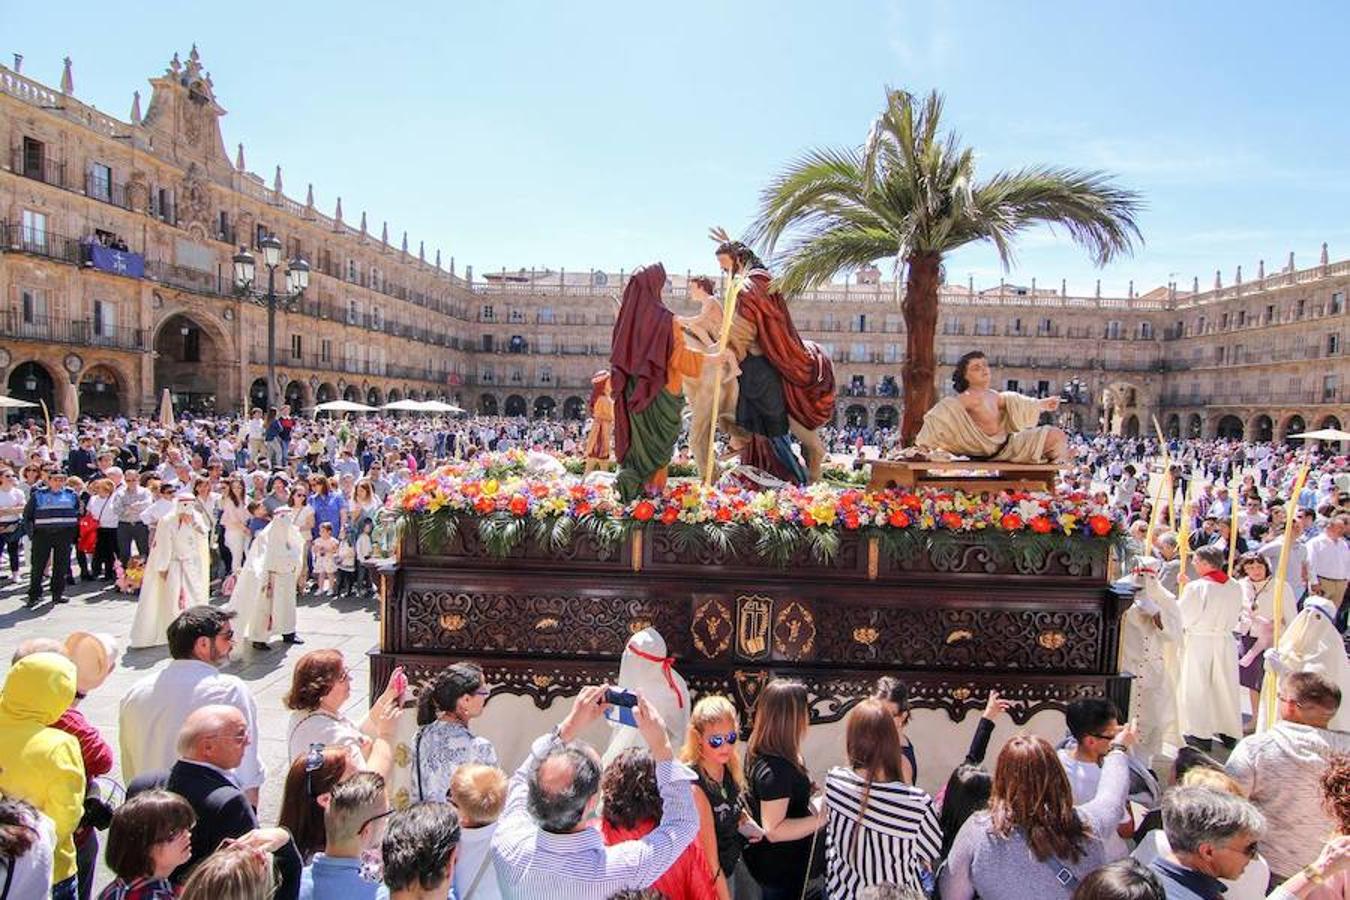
column 478, row 876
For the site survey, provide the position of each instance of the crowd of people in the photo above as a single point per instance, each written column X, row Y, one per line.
column 1210, row 785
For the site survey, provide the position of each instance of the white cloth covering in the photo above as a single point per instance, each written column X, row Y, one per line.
column 1150, row 642
column 641, row 670
column 177, row 575
column 264, row 595
column 1208, row 692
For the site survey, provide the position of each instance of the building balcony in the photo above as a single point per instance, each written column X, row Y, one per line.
column 49, row 329
column 106, row 192
column 15, row 238
column 37, row 167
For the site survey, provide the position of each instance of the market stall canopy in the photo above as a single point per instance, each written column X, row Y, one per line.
column 440, row 406
column 13, row 403
column 343, row 406
column 405, row 406
column 1325, row 434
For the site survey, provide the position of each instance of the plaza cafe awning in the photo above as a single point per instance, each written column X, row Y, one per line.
column 335, row 406
column 422, row 406
column 13, row 403
column 1325, row 434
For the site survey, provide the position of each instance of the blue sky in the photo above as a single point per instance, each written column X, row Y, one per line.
column 606, row 135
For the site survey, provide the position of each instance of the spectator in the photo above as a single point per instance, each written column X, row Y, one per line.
column 1329, row 565
column 131, row 501
column 967, row 792
column 781, row 794
column 478, row 793
column 1124, row 879
column 321, row 685
column 103, row 509
column 1280, row 770
column 419, row 852
column 543, row 845
column 52, row 519
column 27, row 843
column 353, row 825
column 12, row 502
column 41, row 764
column 445, row 708
column 1255, row 878
column 1258, row 612
column 880, row 829
column 238, row 871
column 150, row 837
column 310, row 780
column 710, row 750
column 1213, row 835
column 211, row 743
column 894, row 694
column 889, row 892
column 1033, row 841
column 153, row 711
column 632, row 807
column 1328, row 877
column 1094, row 724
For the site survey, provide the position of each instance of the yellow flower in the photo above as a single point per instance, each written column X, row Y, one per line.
column 490, row 487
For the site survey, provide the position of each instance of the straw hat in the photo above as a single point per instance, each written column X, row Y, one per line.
column 95, row 656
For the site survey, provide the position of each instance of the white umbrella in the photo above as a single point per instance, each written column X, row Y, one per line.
column 343, row 406
column 405, row 406
column 13, row 403
column 1326, row 434
column 440, row 406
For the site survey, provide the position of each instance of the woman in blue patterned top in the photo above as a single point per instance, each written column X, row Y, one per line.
column 444, row 743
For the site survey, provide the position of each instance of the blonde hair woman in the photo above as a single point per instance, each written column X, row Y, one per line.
column 710, row 750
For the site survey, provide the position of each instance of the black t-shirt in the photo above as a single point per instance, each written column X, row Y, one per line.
column 781, row 864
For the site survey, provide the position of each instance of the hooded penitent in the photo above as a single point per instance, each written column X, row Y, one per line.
column 40, row 764
column 646, row 669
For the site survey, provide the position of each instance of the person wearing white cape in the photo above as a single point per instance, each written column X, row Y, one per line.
column 1209, row 702
column 1150, row 640
column 177, row 573
column 1312, row 644
column 264, row 594
column 646, row 669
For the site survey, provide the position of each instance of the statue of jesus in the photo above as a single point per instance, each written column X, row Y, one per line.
column 987, row 425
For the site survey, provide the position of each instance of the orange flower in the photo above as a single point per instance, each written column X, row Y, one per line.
column 1011, row 522
column 723, row 514
column 669, row 516
column 851, row 520
column 644, row 511
column 539, row 490
column 898, row 519
column 1100, row 525
column 483, row 505
column 951, row 521
column 519, row 506
column 582, row 508
column 1041, row 525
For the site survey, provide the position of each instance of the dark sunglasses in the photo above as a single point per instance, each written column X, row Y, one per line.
column 717, row 740
column 313, row 763
column 387, row 812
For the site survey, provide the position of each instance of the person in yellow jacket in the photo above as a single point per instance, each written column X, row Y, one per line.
column 38, row 763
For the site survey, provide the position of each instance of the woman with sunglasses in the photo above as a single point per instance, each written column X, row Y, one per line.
column 310, row 780
column 444, row 742
column 710, row 750
column 321, row 685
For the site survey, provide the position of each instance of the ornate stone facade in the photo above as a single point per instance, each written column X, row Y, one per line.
column 1263, row 358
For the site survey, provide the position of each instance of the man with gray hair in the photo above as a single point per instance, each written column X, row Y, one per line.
column 544, row 845
column 1281, row 768
column 1213, row 835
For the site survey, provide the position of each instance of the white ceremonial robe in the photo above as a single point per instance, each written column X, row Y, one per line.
column 641, row 669
column 264, row 593
column 177, row 575
column 1150, row 639
column 1208, row 693
column 1312, row 644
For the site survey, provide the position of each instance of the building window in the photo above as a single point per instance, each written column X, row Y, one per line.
column 487, row 343
column 1300, row 308
column 34, row 303
column 376, row 318
column 516, row 315
column 1200, row 325
column 1113, row 330
column 857, row 353
column 1270, row 313
column 517, row 375
column 489, row 314
column 34, row 157
column 351, row 271
column 105, row 319
column 545, row 374
column 326, row 351
column 860, row 322
column 296, row 347
column 34, row 231
column 224, row 232
column 100, row 182
column 546, row 315
column 1146, row 331
column 1011, row 385
column 1042, row 389
column 1337, row 303
column 1016, row 326
column 544, row 343
column 1333, row 344
column 984, row 325
column 1218, row 355
column 1242, row 317
column 1044, row 327
column 891, row 352
column 1330, row 385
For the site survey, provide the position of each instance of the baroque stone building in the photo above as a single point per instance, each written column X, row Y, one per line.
column 116, row 239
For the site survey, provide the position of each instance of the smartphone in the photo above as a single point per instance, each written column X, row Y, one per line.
column 620, row 697
column 399, row 681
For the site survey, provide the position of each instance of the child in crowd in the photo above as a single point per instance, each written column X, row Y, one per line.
column 365, row 548
column 257, row 519
column 346, row 569
column 129, row 577
column 325, row 550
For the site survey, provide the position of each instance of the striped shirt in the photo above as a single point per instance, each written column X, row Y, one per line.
column 532, row 864
column 899, row 838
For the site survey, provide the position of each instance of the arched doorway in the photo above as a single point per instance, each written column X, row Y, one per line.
column 351, row 393
column 1173, row 427
column 373, row 397
column 544, row 407
column 487, row 405
column 886, row 416
column 1194, row 426
column 32, row 382
column 100, row 393
column 325, row 394
column 414, row 395
column 190, row 363
column 856, row 416
column 1263, row 429
column 574, row 409
column 1131, row 427
column 393, row 396
column 515, row 405
column 294, row 396
column 1293, row 425
column 1230, row 427
column 1330, row 422
column 257, row 394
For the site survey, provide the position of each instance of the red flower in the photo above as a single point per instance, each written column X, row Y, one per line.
column 851, row 520
column 808, row 520
column 951, row 521
column 1041, row 525
column 539, row 490
column 1011, row 522
column 483, row 505
column 519, row 506
column 669, row 516
column 1100, row 525
column 578, row 491
column 644, row 511
column 898, row 519
column 723, row 514
column 582, row 509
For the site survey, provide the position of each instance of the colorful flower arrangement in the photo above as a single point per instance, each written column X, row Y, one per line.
column 510, row 505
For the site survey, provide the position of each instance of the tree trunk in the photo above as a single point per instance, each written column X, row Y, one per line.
column 920, row 308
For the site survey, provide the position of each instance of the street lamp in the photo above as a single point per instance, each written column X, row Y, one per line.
column 297, row 280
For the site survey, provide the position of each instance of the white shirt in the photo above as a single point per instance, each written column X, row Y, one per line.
column 12, row 497
column 475, row 845
column 1083, row 779
column 321, row 727
column 155, row 708
column 33, row 870
column 1328, row 557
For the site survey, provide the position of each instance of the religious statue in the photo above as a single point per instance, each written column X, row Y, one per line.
column 986, row 425
column 648, row 365
column 701, row 332
column 600, row 434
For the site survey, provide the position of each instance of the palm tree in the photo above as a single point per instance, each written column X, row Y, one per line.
column 910, row 194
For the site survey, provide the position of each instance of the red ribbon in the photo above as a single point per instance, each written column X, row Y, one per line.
column 1217, row 576
column 667, row 663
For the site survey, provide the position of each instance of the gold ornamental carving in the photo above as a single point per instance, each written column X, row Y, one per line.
column 541, row 681
column 754, row 616
column 402, row 755
column 548, row 623
column 794, row 632
column 958, row 635
column 748, row 687
column 1051, row 639
column 867, row 636
column 711, row 628
column 961, row 693
column 453, row 622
